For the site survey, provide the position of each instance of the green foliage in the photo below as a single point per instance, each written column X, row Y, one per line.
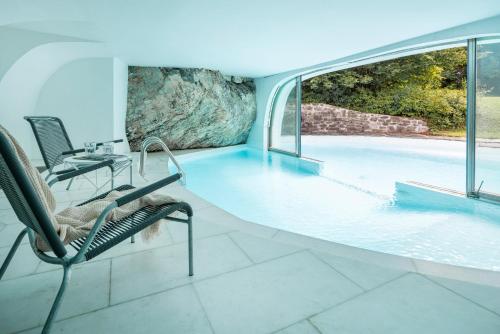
column 429, row 86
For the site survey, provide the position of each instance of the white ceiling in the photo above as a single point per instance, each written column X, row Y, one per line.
column 242, row 37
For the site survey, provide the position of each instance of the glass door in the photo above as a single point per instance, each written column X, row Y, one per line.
column 284, row 132
column 487, row 165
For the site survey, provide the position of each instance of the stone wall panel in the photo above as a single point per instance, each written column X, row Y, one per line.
column 188, row 108
column 324, row 119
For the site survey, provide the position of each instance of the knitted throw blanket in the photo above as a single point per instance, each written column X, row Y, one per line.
column 76, row 222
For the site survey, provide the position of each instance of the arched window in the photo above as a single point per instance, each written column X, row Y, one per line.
column 284, row 132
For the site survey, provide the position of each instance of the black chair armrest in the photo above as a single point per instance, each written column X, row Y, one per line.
column 64, row 171
column 71, row 174
column 81, row 150
column 147, row 189
column 117, row 203
column 112, row 141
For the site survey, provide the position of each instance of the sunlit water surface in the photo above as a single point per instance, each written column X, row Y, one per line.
column 354, row 201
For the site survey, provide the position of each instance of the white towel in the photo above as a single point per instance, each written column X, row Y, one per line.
column 76, row 222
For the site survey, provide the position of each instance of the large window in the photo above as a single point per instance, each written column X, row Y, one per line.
column 284, row 133
column 437, row 164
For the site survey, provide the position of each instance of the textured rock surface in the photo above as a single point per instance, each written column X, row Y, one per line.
column 188, row 108
column 324, row 119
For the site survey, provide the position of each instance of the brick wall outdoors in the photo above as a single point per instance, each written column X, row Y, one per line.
column 324, row 119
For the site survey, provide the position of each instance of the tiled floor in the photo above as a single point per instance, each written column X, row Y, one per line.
column 248, row 279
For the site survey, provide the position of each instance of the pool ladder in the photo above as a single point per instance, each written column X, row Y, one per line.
column 155, row 140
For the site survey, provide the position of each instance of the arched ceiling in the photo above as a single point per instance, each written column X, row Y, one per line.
column 250, row 38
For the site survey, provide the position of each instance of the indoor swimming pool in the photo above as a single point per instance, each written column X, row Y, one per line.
column 355, row 201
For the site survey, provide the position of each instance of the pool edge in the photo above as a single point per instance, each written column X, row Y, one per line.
column 387, row 260
column 409, row 264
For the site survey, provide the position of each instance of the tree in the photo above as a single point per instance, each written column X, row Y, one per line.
column 429, row 86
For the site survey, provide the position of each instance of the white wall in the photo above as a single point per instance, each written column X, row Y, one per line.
column 28, row 59
column 17, row 42
column 78, row 81
column 120, row 89
column 81, row 94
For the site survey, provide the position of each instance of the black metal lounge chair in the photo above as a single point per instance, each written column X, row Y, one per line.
column 55, row 145
column 29, row 209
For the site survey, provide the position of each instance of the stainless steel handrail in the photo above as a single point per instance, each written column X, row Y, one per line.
column 155, row 140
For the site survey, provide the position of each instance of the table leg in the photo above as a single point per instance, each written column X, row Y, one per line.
column 130, row 171
column 70, row 183
column 132, row 238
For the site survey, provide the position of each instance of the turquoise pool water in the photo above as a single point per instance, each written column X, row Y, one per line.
column 355, row 206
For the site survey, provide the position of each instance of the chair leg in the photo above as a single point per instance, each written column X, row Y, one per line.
column 70, row 183
column 190, row 245
column 57, row 301
column 12, row 251
column 132, row 238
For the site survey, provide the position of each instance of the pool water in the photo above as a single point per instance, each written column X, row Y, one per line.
column 376, row 163
column 352, row 203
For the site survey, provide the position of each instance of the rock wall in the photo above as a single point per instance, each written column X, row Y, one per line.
column 324, row 119
column 188, row 108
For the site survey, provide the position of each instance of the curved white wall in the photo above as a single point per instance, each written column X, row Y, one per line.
column 84, row 95
column 42, row 74
column 267, row 86
column 81, row 94
column 17, row 42
column 28, row 59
